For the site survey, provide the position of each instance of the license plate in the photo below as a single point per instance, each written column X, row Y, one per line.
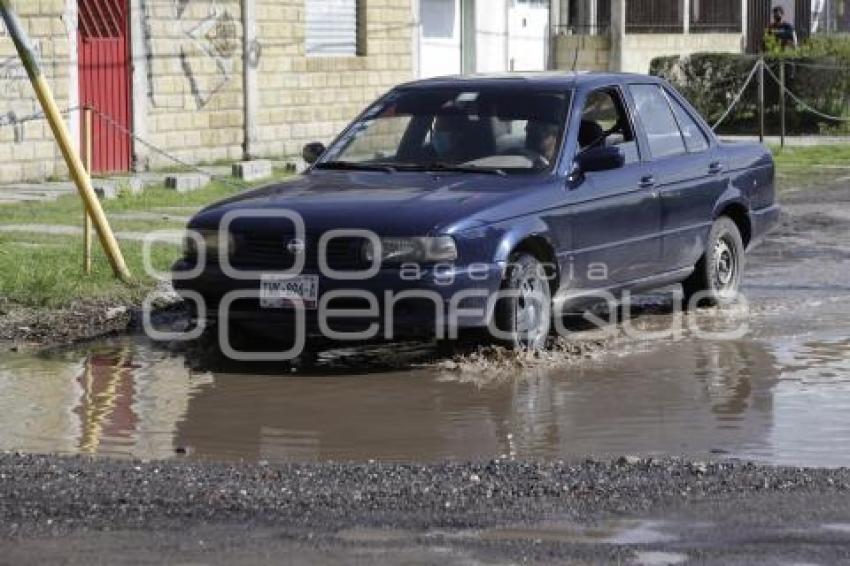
column 281, row 292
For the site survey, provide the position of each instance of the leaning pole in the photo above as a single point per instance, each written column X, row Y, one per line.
column 63, row 138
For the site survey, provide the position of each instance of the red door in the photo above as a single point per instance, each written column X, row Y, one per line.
column 104, row 71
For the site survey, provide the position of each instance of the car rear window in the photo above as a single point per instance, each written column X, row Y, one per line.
column 656, row 117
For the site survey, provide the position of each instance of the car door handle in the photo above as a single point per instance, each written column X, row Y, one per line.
column 715, row 167
column 647, row 181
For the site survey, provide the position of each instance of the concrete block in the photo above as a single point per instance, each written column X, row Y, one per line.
column 252, row 170
column 105, row 190
column 186, row 182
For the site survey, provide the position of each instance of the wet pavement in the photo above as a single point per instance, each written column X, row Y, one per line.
column 778, row 394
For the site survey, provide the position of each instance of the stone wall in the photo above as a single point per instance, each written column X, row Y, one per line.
column 583, row 52
column 27, row 149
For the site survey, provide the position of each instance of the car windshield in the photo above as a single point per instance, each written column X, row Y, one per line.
column 494, row 130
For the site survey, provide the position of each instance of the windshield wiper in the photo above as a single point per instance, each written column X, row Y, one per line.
column 352, row 166
column 440, row 166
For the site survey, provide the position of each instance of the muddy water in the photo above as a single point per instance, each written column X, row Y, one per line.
column 780, row 393
column 781, row 400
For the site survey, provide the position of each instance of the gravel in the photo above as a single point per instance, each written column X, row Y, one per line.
column 45, row 494
column 80, row 510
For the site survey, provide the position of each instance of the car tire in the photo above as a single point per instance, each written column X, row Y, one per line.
column 523, row 315
column 717, row 276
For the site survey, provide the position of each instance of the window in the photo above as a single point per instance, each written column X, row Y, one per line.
column 695, row 139
column 512, row 130
column 378, row 139
column 604, row 122
column 334, row 27
column 658, row 121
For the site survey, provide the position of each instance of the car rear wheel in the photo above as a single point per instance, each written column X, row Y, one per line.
column 717, row 276
column 523, row 313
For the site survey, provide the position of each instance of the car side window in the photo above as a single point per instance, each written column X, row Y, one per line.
column 604, row 122
column 656, row 117
column 695, row 139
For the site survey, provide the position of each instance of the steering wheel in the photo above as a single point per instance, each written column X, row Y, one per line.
column 538, row 161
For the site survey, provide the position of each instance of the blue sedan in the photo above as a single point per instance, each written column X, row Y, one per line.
column 453, row 205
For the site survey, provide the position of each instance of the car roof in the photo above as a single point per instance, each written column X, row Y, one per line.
column 553, row 79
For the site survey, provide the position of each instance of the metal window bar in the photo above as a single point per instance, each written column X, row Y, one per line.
column 654, row 16
column 601, row 25
column 715, row 16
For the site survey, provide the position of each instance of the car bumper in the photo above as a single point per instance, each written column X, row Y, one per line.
column 405, row 307
column 763, row 221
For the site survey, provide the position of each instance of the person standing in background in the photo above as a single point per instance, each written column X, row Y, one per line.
column 780, row 29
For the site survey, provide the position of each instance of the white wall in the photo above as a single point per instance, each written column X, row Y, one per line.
column 491, row 40
column 439, row 40
column 528, row 30
column 509, row 35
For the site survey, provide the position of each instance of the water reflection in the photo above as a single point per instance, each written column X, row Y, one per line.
column 783, row 401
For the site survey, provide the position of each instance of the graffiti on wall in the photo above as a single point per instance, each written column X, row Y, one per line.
column 17, row 100
column 203, row 42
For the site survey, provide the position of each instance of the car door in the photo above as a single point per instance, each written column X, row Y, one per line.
column 685, row 168
column 615, row 216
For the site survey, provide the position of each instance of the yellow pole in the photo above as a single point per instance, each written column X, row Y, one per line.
column 63, row 138
column 87, row 147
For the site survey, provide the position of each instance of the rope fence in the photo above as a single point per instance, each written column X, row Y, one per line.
column 823, row 99
column 738, row 96
column 164, row 153
column 807, row 107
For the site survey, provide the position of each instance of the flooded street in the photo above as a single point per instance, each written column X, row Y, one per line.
column 604, row 449
column 779, row 394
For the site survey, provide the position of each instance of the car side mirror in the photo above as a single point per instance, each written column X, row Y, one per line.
column 312, row 152
column 602, row 158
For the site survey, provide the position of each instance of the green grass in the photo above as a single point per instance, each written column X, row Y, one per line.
column 804, row 168
column 792, row 159
column 45, row 270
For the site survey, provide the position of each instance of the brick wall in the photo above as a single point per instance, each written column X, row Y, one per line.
column 194, row 66
column 27, row 150
column 192, row 104
column 587, row 52
column 304, row 99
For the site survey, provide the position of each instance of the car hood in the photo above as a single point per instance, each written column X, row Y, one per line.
column 388, row 203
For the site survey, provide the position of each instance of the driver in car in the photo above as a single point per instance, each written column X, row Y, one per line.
column 447, row 136
column 541, row 138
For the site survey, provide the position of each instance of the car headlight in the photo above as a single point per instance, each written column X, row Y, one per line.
column 209, row 239
column 413, row 250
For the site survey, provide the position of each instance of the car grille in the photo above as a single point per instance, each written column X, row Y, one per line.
column 258, row 251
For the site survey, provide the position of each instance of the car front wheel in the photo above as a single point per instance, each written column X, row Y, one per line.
column 717, row 276
column 523, row 314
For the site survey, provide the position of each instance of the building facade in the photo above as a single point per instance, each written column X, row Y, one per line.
column 213, row 80
column 625, row 35
column 200, row 80
column 483, row 36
